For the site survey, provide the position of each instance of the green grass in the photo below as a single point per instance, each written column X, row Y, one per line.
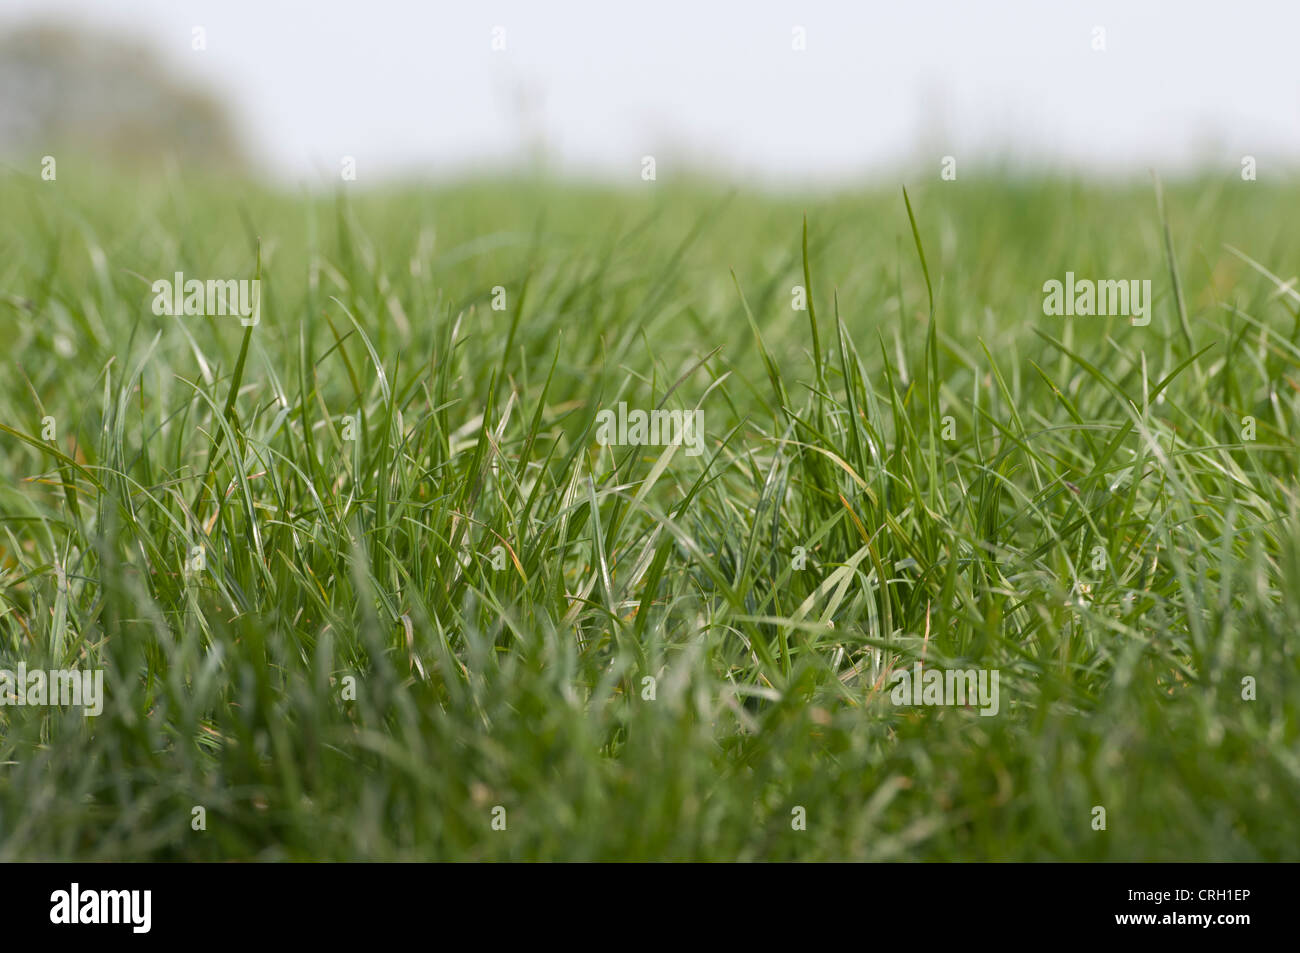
column 1097, row 529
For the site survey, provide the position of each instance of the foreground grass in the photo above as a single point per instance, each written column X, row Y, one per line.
column 355, row 670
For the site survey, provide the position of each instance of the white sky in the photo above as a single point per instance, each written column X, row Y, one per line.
column 413, row 85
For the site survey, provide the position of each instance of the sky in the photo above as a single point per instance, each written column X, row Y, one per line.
column 409, row 87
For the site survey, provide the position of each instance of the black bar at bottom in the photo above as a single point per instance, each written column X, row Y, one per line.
column 1209, row 903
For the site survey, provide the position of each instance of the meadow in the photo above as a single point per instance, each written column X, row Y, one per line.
column 364, row 584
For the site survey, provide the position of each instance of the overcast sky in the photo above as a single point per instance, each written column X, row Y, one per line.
column 407, row 85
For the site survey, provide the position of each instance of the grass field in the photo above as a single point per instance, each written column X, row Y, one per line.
column 280, row 542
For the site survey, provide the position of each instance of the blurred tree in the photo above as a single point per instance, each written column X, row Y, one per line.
column 108, row 97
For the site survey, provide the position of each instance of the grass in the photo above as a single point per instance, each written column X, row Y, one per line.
column 356, row 672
